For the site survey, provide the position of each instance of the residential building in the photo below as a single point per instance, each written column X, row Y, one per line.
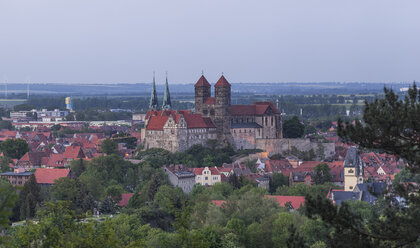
column 180, row 176
column 207, row 176
column 18, row 177
column 46, row 176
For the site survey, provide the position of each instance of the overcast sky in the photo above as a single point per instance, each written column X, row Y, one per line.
column 101, row 41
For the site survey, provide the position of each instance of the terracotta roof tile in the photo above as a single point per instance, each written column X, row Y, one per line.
column 48, row 176
column 296, row 201
column 125, row 198
column 222, row 82
column 202, row 81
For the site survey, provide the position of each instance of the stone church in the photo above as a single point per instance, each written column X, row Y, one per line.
column 214, row 118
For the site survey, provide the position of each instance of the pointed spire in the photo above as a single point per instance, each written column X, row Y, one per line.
column 153, row 97
column 166, row 96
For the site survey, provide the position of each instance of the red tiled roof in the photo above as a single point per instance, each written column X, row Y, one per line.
column 258, row 108
column 296, row 201
column 198, row 171
column 202, row 81
column 218, row 203
column 222, row 82
column 47, row 176
column 156, row 122
column 72, row 152
column 55, row 160
column 124, row 199
column 197, row 121
column 210, row 100
column 214, row 171
column 209, row 122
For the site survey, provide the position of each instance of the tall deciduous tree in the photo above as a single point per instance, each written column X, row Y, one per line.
column 14, row 148
column 29, row 198
column 7, row 199
column 292, row 128
column 322, row 174
column 109, row 147
column 391, row 125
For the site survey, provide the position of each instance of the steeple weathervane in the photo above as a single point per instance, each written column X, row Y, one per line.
column 166, row 96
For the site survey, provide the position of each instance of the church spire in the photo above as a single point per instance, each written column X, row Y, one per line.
column 166, row 96
column 153, row 97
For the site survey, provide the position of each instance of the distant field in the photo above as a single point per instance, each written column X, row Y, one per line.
column 10, row 103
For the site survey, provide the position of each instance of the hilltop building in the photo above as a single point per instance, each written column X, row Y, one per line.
column 214, row 118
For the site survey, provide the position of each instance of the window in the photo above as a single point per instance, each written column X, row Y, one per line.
column 272, row 120
column 214, row 178
column 351, row 187
column 206, row 178
column 266, row 121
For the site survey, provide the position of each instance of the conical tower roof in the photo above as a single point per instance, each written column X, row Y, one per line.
column 222, row 82
column 202, row 81
column 167, row 96
column 153, row 97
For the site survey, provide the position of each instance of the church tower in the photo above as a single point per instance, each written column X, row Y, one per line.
column 353, row 169
column 166, row 97
column 222, row 106
column 202, row 92
column 153, row 97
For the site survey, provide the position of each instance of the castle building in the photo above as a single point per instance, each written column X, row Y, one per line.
column 353, row 169
column 214, row 118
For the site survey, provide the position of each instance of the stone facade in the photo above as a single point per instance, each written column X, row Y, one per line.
column 284, row 146
column 176, row 130
column 240, row 125
column 179, row 176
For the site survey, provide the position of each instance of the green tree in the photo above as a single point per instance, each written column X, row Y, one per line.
column 6, row 125
column 7, row 200
column 4, row 164
column 109, row 147
column 292, row 128
column 77, row 167
column 23, row 107
column 14, row 148
column 29, row 198
column 75, row 192
column 322, row 174
column 114, row 192
column 277, row 180
column 389, row 124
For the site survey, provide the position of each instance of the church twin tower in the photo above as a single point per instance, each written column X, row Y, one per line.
column 217, row 107
column 166, row 96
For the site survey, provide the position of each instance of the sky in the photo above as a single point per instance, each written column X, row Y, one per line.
column 103, row 41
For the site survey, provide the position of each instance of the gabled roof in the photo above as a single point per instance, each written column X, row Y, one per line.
column 258, row 108
column 48, row 176
column 34, row 158
column 72, row 152
column 295, row 201
column 125, row 198
column 55, row 160
column 202, row 81
column 156, row 122
column 222, row 82
column 197, row 121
